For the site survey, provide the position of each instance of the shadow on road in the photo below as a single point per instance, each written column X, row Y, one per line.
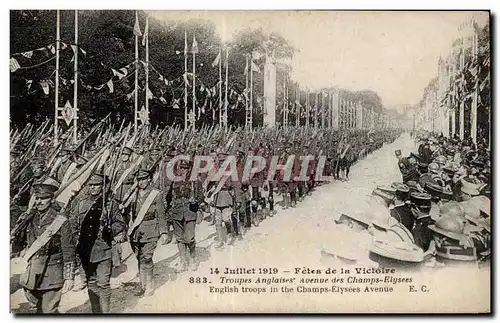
column 123, row 297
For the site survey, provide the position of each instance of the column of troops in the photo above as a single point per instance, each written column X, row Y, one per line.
column 130, row 199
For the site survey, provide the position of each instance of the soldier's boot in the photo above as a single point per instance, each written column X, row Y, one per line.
column 150, row 284
column 263, row 206
column 183, row 258
column 220, row 235
column 286, row 201
column 105, row 298
column 170, row 236
column 265, row 212
column 80, row 280
column 116, row 254
column 293, row 201
column 94, row 297
column 140, row 290
column 193, row 262
column 230, row 233
column 272, row 211
column 212, row 220
column 255, row 219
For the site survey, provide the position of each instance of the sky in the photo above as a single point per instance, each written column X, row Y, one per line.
column 393, row 53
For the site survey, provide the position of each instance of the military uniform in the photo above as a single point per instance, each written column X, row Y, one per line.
column 225, row 202
column 400, row 206
column 183, row 200
column 93, row 231
column 53, row 263
column 421, row 207
column 144, row 233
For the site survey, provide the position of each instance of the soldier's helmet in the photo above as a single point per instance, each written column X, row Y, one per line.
column 453, row 209
column 434, row 168
column 440, row 160
column 450, row 227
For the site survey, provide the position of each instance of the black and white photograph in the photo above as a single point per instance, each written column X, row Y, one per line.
column 250, row 161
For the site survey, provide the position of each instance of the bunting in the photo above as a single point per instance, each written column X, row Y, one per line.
column 14, row 65
column 216, row 62
column 255, row 68
column 110, row 86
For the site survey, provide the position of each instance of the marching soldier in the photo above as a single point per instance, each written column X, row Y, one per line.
column 50, row 251
column 95, row 224
column 184, row 200
column 226, row 198
column 147, row 225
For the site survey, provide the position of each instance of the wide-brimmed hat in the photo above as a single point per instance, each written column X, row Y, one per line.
column 470, row 209
column 450, row 227
column 376, row 199
column 387, row 197
column 440, row 160
column 397, row 250
column 453, row 209
column 434, row 168
column 469, row 188
column 381, row 217
column 358, row 216
column 483, row 203
column 387, row 189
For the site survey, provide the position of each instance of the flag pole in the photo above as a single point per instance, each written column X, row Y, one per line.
column 251, row 94
column 56, row 99
column 75, row 84
column 474, row 99
column 307, row 108
column 146, row 35
column 225, row 94
column 461, row 107
column 136, row 91
column 185, row 82
column 220, row 87
column 284, row 99
column 247, row 112
column 316, row 99
column 193, row 121
column 297, row 106
column 322, row 110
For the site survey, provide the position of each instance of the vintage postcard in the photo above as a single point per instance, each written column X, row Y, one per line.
column 250, row 161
